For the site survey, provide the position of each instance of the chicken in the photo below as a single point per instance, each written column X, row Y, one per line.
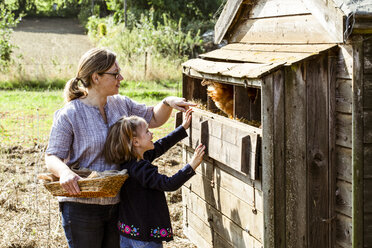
column 222, row 95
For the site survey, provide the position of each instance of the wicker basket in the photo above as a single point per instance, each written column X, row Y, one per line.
column 103, row 186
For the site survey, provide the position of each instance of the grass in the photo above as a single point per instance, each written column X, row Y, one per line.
column 27, row 116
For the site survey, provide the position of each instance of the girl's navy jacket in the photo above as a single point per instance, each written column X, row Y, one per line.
column 144, row 213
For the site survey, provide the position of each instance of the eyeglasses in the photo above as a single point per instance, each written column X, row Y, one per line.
column 115, row 74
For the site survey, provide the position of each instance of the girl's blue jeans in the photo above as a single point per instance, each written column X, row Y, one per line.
column 90, row 225
column 132, row 243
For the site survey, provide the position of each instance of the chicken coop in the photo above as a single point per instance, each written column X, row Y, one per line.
column 285, row 112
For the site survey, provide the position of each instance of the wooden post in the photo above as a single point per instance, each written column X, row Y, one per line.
column 125, row 13
column 317, row 146
column 145, row 71
column 279, row 158
column 357, row 149
column 367, row 153
column 273, row 170
column 295, row 157
column 332, row 77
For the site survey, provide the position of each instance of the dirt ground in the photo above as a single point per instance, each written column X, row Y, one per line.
column 29, row 215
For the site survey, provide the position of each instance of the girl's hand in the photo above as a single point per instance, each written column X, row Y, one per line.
column 68, row 181
column 187, row 120
column 198, row 156
column 178, row 103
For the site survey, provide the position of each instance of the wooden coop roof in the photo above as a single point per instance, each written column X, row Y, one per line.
column 337, row 18
column 245, row 64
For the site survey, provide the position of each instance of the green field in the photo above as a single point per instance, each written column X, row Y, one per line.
column 26, row 116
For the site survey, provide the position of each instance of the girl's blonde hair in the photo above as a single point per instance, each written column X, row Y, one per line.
column 118, row 147
column 95, row 60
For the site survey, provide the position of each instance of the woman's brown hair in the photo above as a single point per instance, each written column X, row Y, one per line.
column 95, row 60
column 118, row 147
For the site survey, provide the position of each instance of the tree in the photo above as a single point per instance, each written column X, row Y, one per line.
column 7, row 21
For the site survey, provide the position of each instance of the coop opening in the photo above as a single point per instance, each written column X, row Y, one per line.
column 233, row 101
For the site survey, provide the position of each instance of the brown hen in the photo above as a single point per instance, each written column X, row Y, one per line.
column 222, row 95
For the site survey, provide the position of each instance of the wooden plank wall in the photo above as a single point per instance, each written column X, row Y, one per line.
column 221, row 209
column 298, row 160
column 367, row 146
column 343, row 152
column 230, row 142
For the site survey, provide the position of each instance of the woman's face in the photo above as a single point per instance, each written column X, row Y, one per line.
column 109, row 81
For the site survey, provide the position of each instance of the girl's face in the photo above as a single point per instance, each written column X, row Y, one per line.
column 144, row 138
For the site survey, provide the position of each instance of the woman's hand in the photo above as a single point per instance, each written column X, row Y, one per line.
column 197, row 158
column 178, row 103
column 187, row 120
column 68, row 180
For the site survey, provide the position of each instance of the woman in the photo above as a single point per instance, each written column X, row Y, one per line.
column 78, row 135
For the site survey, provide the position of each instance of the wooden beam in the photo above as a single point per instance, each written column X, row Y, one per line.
column 367, row 55
column 332, row 175
column 368, row 161
column 368, row 228
column 256, row 83
column 296, row 157
column 225, row 19
column 317, row 146
column 357, row 144
column 368, row 91
column 273, row 156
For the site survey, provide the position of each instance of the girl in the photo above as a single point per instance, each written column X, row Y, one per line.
column 143, row 212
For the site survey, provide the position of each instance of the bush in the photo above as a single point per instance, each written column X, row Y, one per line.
column 165, row 39
column 7, row 21
column 147, row 50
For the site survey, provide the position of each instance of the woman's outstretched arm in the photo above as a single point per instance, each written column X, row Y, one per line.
column 163, row 110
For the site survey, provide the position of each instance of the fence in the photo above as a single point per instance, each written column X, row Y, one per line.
column 29, row 215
